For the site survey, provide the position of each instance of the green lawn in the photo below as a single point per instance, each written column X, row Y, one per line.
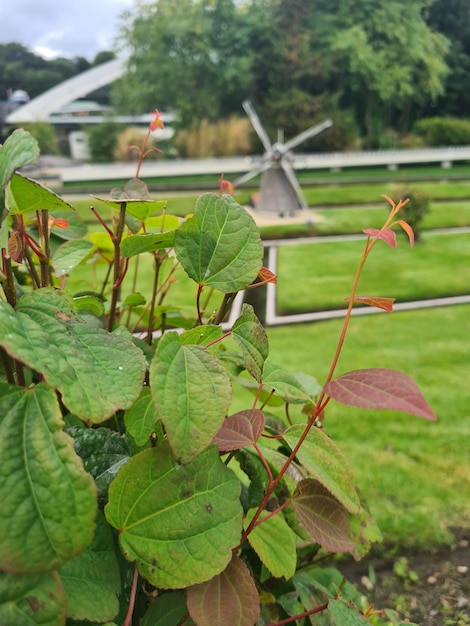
column 414, row 473
column 318, row 276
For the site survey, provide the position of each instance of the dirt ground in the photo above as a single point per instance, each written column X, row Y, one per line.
column 431, row 589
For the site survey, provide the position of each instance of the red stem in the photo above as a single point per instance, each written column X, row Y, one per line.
column 130, row 610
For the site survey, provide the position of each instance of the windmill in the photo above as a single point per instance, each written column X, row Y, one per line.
column 280, row 191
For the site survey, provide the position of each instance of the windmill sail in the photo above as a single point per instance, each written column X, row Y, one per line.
column 280, row 191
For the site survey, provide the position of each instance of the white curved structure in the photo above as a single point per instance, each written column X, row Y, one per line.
column 39, row 109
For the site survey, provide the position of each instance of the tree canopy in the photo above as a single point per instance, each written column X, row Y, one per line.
column 369, row 62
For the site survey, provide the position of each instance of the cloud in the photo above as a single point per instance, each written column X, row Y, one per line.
column 70, row 29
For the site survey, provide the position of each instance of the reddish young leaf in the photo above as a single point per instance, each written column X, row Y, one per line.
column 325, row 519
column 408, row 230
column 380, row 389
column 226, row 186
column 16, row 246
column 157, row 122
column 59, row 222
column 240, row 430
column 386, row 304
column 266, row 276
column 386, row 235
column 229, row 598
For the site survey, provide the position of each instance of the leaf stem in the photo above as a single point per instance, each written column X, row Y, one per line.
column 153, row 300
column 130, row 610
column 117, row 276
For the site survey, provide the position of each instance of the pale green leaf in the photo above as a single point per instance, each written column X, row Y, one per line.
column 191, row 391
column 183, row 531
column 48, row 500
column 96, row 372
column 220, row 245
column 141, row 418
column 275, row 544
column 284, row 383
column 18, row 150
column 69, row 255
column 253, row 340
column 32, row 600
column 92, row 579
column 345, row 614
column 76, row 228
column 138, row 208
column 147, row 242
column 134, row 299
column 30, row 196
column 325, row 462
column 89, row 303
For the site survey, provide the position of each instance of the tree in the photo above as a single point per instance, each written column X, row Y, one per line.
column 387, row 57
column 191, row 55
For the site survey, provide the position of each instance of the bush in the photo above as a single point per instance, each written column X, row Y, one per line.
column 416, row 209
column 102, row 141
column 443, row 131
column 45, row 135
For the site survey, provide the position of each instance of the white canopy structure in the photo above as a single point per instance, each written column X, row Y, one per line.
column 39, row 109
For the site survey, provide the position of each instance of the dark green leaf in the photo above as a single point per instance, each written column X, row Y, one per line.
column 166, row 610
column 89, row 303
column 76, row 228
column 343, row 614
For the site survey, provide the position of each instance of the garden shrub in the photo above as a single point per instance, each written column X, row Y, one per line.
column 229, row 137
column 443, row 131
column 45, row 135
column 130, row 489
column 102, row 141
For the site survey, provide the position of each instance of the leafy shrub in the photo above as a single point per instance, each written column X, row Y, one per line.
column 443, row 131
column 102, row 141
column 45, row 135
column 130, row 490
column 416, row 209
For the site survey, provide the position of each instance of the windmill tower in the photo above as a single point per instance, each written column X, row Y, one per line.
column 280, row 192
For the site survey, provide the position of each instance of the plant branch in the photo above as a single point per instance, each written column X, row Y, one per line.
column 153, row 300
column 116, row 291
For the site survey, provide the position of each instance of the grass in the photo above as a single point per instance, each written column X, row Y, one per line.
column 319, row 276
column 415, row 474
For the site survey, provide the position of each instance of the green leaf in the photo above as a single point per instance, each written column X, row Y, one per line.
column 147, row 242
column 364, row 533
column 31, row 599
column 275, row 544
column 141, row 418
column 76, row 228
column 18, row 150
column 179, row 523
column 253, row 341
column 167, row 609
column 343, row 614
column 191, row 391
column 201, row 335
column 220, row 245
column 229, row 598
column 161, row 223
column 69, row 255
column 30, row 196
column 134, row 299
column 96, row 372
column 89, row 303
column 103, row 452
column 92, row 579
column 325, row 462
column 284, row 383
column 138, row 208
column 48, row 500
column 322, row 516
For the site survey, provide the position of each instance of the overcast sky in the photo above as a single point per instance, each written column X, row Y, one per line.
column 61, row 27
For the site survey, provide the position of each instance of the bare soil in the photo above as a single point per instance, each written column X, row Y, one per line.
column 430, row 589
